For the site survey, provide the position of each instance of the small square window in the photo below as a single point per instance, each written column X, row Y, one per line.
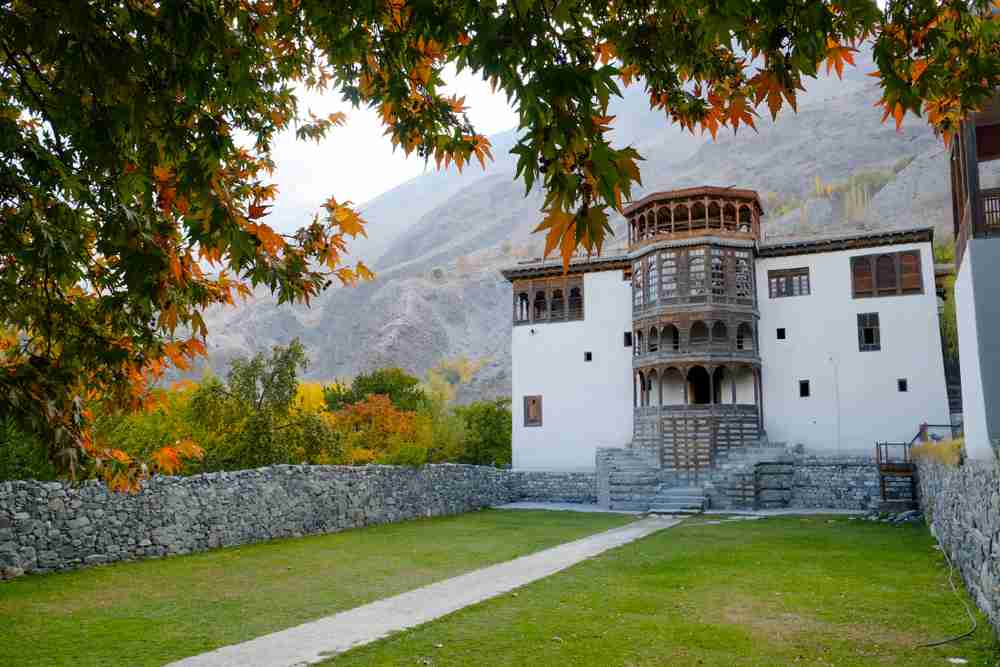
column 869, row 337
column 628, row 339
column 902, row 384
column 588, row 356
column 781, row 333
column 803, row 388
column 532, row 410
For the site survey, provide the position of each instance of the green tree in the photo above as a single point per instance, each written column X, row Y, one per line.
column 401, row 388
column 487, row 432
column 135, row 141
column 253, row 414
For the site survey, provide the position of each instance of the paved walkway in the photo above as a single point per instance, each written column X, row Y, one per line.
column 319, row 640
column 589, row 507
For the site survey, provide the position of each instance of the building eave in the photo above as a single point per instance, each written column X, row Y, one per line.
column 775, row 248
column 545, row 269
column 698, row 191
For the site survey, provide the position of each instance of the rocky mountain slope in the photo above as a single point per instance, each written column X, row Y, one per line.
column 439, row 241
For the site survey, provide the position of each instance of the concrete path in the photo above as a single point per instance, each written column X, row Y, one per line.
column 319, row 640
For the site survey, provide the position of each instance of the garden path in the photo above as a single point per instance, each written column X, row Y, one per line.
column 321, row 639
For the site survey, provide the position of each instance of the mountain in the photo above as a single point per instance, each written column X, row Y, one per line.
column 438, row 241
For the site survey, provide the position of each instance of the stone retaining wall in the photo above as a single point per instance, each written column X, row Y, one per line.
column 962, row 507
column 842, row 482
column 555, row 487
column 47, row 526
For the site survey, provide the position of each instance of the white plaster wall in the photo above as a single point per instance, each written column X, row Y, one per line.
column 976, row 430
column 854, row 398
column 585, row 405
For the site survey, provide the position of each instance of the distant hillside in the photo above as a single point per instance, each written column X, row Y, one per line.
column 439, row 240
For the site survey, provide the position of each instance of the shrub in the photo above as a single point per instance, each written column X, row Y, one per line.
column 487, row 433
column 21, row 456
column 949, row 452
column 375, row 430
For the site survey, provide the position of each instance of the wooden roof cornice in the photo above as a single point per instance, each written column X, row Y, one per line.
column 874, row 239
column 691, row 193
column 546, row 268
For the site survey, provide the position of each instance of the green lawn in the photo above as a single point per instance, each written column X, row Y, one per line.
column 787, row 591
column 151, row 612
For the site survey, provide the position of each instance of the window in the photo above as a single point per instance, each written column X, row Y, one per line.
column 803, row 388
column 744, row 278
column 888, row 274
column 788, row 282
column 541, row 307
column 576, row 303
column 668, row 271
column 902, row 384
column 781, row 333
column 628, row 339
column 868, row 332
column 696, row 272
column 654, row 278
column 532, row 410
column 637, row 285
column 588, row 356
column 558, row 305
column 539, row 301
column 718, row 273
column 521, row 311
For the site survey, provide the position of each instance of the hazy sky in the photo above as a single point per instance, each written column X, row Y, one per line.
column 356, row 162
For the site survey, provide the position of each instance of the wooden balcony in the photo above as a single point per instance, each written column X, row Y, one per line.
column 975, row 210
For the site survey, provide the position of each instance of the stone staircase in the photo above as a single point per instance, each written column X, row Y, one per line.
column 749, row 478
column 679, row 500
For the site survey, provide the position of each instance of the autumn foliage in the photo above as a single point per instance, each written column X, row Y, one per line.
column 135, row 148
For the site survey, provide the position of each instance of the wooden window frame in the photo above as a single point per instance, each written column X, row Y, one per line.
column 912, row 283
column 529, row 423
column 548, row 287
column 864, row 323
column 783, row 283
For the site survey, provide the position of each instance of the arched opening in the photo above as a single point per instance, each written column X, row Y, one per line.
column 720, row 335
column 699, row 386
column 521, row 308
column 653, row 391
column 699, row 335
column 698, row 216
column 670, row 338
column 714, row 215
column 541, row 307
column 682, row 218
column 654, row 340
column 729, row 217
column 746, row 219
column 722, row 386
column 672, row 387
column 558, row 305
column 744, row 337
column 641, row 389
column 642, row 227
column 637, row 344
column 575, row 304
column 663, row 220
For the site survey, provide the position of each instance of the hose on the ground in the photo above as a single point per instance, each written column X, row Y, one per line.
column 968, row 611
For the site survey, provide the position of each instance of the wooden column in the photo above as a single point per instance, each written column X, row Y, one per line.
column 732, row 381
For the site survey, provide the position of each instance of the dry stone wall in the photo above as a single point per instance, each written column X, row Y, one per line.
column 555, row 487
column 46, row 526
column 842, row 482
column 962, row 506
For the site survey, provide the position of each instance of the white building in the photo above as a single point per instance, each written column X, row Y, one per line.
column 702, row 338
column 976, row 213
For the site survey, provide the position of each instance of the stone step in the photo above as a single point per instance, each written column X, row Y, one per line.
column 682, row 491
column 670, row 509
column 675, row 500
